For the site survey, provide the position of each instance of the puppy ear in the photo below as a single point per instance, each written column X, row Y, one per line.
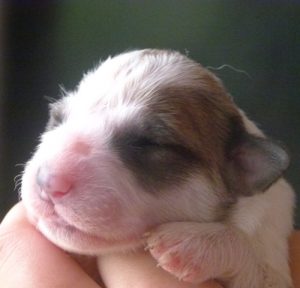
column 254, row 164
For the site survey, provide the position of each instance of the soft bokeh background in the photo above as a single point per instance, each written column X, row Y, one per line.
column 44, row 44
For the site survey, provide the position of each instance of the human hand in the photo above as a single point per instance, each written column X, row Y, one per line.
column 27, row 258
column 30, row 260
column 140, row 270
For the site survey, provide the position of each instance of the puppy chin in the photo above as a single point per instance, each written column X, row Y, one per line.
column 74, row 240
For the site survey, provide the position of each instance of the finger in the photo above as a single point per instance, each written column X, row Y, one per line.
column 27, row 258
column 15, row 216
column 139, row 270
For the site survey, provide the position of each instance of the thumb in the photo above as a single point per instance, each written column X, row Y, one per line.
column 27, row 257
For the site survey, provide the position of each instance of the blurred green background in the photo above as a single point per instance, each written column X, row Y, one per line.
column 45, row 44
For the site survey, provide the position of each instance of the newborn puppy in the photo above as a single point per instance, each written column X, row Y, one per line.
column 151, row 141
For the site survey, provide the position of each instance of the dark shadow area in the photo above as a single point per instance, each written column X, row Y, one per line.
column 28, row 77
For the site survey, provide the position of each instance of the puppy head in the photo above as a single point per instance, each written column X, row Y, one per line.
column 147, row 137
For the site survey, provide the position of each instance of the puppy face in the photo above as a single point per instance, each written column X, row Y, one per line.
column 148, row 137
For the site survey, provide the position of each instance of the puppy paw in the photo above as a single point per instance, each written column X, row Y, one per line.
column 195, row 252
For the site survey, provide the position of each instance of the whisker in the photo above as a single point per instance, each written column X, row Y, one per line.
column 230, row 67
column 50, row 99
column 17, row 186
column 20, row 165
column 63, row 90
column 19, row 194
column 18, row 181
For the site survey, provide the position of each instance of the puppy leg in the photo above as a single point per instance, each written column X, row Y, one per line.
column 196, row 252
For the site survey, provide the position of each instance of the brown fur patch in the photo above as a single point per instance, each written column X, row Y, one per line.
column 204, row 120
column 187, row 126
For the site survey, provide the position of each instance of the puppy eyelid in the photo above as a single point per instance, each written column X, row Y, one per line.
column 152, row 144
column 144, row 142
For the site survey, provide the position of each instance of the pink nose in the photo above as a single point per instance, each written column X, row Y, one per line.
column 52, row 185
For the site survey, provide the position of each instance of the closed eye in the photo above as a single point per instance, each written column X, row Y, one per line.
column 146, row 144
column 143, row 142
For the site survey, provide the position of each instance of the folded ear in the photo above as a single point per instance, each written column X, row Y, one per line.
column 254, row 164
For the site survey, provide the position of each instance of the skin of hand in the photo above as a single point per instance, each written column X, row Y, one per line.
column 30, row 260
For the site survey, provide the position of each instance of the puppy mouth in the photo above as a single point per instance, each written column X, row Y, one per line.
column 69, row 237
